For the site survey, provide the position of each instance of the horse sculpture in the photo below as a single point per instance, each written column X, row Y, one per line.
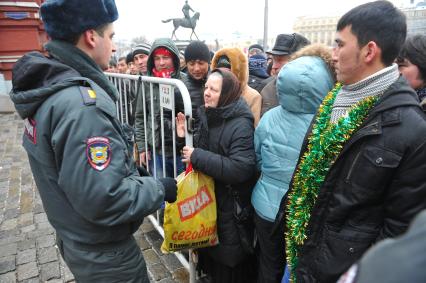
column 185, row 23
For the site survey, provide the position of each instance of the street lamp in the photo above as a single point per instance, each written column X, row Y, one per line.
column 265, row 27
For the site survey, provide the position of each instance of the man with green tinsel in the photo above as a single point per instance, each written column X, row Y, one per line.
column 360, row 176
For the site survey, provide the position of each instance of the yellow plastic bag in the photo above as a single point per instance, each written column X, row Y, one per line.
column 190, row 222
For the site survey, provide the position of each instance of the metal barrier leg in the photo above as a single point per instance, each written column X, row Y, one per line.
column 192, row 267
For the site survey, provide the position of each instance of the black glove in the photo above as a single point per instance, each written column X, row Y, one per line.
column 142, row 171
column 170, row 189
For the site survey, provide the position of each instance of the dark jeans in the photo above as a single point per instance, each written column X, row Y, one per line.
column 271, row 255
column 169, row 166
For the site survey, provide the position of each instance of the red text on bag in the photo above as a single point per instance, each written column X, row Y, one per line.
column 191, row 206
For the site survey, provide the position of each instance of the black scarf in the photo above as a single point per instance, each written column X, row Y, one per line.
column 72, row 56
column 211, row 117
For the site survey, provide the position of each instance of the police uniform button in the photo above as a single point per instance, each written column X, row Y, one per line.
column 351, row 250
column 379, row 160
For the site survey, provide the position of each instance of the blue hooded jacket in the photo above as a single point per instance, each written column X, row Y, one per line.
column 301, row 84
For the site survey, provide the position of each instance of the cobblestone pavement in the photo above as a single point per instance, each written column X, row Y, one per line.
column 27, row 240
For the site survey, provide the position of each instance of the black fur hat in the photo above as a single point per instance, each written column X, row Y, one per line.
column 65, row 18
column 287, row 44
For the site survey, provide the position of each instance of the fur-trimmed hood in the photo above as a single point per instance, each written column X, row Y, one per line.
column 318, row 50
column 239, row 63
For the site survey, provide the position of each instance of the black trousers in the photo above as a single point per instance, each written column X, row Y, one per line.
column 244, row 272
column 271, row 251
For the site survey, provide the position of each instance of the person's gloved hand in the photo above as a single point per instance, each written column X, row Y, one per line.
column 142, row 171
column 170, row 189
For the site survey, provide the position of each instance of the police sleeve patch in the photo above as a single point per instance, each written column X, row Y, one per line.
column 98, row 151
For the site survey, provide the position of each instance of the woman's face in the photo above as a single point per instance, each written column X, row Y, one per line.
column 411, row 73
column 212, row 90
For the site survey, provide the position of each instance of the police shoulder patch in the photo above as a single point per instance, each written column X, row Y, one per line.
column 98, row 151
column 88, row 95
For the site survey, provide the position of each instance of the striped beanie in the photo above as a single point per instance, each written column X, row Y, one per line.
column 142, row 48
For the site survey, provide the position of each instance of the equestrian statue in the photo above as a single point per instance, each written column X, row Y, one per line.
column 186, row 22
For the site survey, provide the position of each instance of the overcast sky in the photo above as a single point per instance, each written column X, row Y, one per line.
column 222, row 19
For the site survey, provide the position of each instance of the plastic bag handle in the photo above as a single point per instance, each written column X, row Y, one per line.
column 188, row 168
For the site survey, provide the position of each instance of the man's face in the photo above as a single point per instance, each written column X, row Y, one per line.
column 104, row 47
column 133, row 70
column 141, row 61
column 163, row 62
column 111, row 69
column 122, row 66
column 197, row 69
column 347, row 57
column 278, row 61
column 411, row 73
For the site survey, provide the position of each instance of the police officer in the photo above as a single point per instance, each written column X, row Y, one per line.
column 80, row 154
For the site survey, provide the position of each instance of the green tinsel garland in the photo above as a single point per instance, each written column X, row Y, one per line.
column 325, row 143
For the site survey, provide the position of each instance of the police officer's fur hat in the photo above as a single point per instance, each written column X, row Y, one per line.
column 66, row 18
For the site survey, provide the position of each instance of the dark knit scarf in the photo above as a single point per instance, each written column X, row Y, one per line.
column 421, row 93
column 422, row 97
column 260, row 73
column 73, row 57
column 257, row 66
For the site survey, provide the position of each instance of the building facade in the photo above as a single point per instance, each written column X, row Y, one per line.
column 416, row 18
column 323, row 29
column 21, row 31
column 317, row 29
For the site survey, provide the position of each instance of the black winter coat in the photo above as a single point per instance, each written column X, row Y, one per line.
column 373, row 190
column 227, row 154
column 257, row 83
column 196, row 91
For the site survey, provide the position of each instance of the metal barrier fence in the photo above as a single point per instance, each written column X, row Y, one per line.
column 131, row 87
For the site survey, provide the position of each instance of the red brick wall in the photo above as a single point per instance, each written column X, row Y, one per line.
column 18, row 37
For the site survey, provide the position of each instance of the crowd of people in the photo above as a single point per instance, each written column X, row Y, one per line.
column 316, row 153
